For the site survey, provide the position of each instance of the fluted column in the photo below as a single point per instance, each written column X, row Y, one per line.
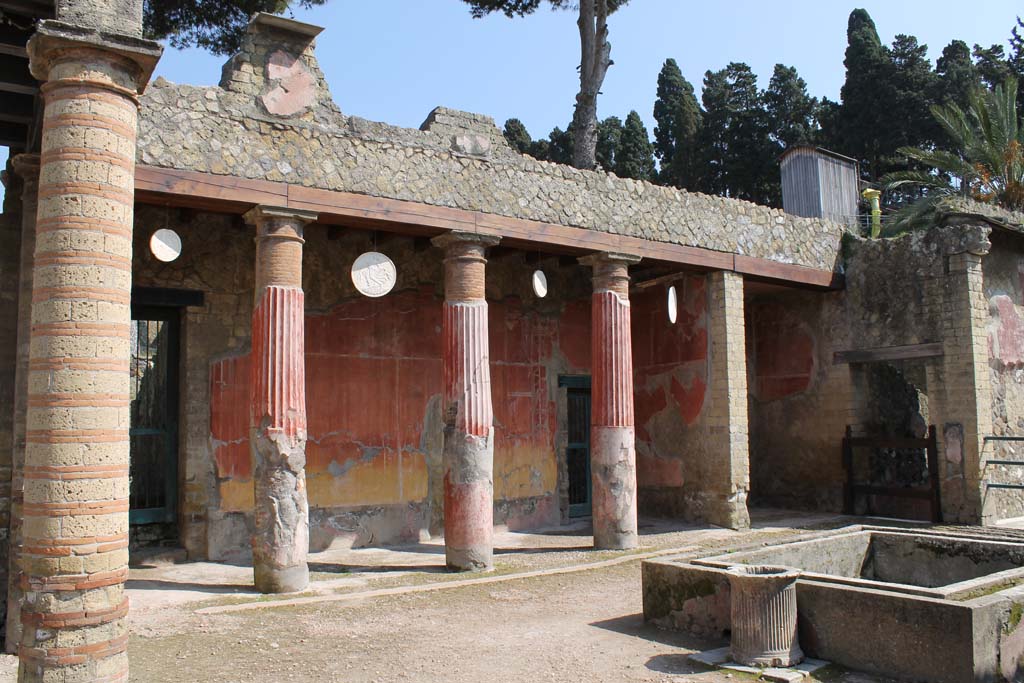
column 27, row 168
column 468, row 414
column 74, row 554
column 277, row 433
column 612, row 435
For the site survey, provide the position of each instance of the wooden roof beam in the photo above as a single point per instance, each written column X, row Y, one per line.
column 228, row 193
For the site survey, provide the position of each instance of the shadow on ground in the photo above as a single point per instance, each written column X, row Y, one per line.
column 162, row 585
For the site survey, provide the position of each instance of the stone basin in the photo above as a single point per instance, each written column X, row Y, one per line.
column 912, row 604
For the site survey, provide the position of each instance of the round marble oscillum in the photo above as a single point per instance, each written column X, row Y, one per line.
column 165, row 245
column 373, row 274
column 540, row 284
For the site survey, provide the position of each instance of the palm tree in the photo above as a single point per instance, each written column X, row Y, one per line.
column 986, row 164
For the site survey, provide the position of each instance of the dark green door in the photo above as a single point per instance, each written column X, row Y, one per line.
column 578, row 455
column 155, row 343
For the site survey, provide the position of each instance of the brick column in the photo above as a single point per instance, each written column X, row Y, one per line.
column 728, row 469
column 962, row 406
column 468, row 456
column 75, row 530
column 612, row 433
column 277, row 431
column 27, row 168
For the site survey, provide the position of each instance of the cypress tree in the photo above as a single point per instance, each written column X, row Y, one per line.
column 609, row 132
column 790, row 110
column 862, row 114
column 518, row 137
column 738, row 155
column 957, row 76
column 909, row 120
column 678, row 119
column 993, row 66
column 634, row 157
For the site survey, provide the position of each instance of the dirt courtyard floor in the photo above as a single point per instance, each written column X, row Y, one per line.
column 553, row 610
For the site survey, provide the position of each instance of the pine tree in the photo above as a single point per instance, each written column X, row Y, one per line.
column 518, row 137
column 679, row 119
column 595, row 58
column 634, row 157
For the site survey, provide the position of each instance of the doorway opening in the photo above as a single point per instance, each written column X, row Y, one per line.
column 153, row 429
column 578, row 447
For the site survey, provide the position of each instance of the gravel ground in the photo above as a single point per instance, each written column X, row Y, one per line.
column 545, row 614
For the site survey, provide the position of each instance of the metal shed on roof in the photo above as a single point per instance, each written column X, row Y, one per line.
column 817, row 183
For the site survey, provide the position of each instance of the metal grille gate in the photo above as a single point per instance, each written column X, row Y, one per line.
column 578, row 451
column 155, row 341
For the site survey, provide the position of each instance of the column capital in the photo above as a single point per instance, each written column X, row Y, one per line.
column 279, row 222
column 603, row 257
column 26, row 167
column 611, row 271
column 262, row 213
column 56, row 41
column 458, row 237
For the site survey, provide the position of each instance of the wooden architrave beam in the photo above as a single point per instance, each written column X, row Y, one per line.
column 889, row 353
column 227, row 193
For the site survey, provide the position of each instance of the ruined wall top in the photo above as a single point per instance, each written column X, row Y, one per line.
column 123, row 17
column 960, row 210
column 892, row 283
column 273, row 118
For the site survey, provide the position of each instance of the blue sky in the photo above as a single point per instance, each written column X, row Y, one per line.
column 394, row 60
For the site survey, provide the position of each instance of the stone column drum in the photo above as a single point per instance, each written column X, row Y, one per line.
column 27, row 168
column 277, row 433
column 468, row 456
column 74, row 554
column 612, row 435
column 763, row 615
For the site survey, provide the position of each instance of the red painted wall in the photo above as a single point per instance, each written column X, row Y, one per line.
column 782, row 352
column 372, row 368
column 670, row 365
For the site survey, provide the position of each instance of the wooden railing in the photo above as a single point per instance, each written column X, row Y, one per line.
column 929, row 492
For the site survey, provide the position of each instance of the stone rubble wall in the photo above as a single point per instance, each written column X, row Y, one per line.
column 456, row 159
column 924, row 287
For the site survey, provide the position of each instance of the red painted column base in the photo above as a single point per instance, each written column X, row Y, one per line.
column 468, row 501
column 613, row 468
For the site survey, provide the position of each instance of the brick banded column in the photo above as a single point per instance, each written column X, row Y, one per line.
column 27, row 168
column 74, row 556
column 727, row 472
column 277, row 431
column 469, row 417
column 612, row 434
